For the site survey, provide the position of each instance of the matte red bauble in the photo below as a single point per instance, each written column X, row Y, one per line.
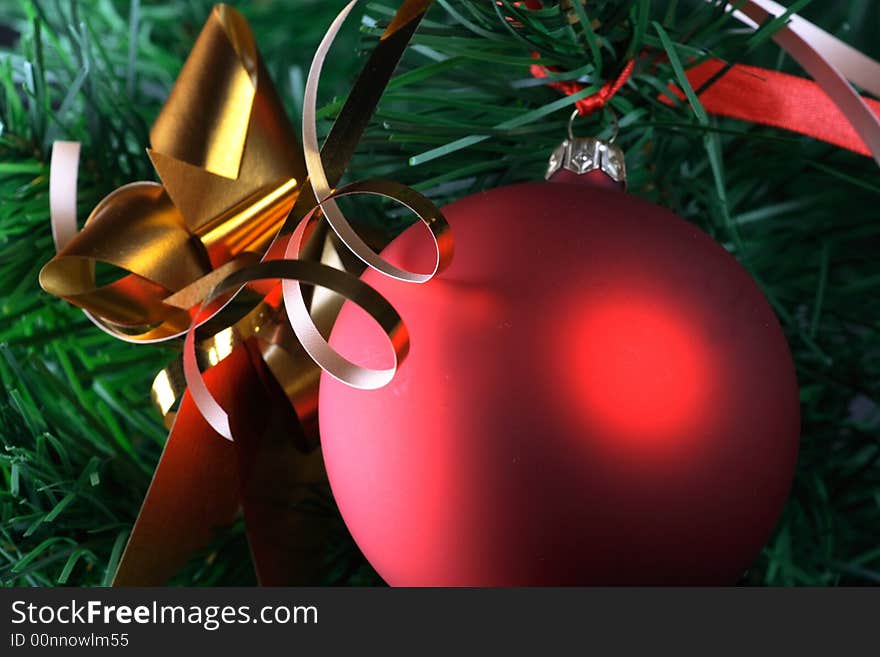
column 596, row 393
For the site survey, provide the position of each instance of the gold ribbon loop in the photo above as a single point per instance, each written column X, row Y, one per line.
column 222, row 67
column 313, row 273
column 231, row 169
column 321, row 186
column 139, row 231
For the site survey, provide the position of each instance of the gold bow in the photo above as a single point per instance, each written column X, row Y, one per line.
column 205, row 249
column 231, row 170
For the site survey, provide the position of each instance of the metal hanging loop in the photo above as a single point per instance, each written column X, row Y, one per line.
column 614, row 122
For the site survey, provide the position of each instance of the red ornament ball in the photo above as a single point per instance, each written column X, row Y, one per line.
column 596, row 393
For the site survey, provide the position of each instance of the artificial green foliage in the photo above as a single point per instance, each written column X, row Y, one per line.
column 79, row 437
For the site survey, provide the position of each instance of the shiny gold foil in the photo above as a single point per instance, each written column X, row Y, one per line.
column 231, row 169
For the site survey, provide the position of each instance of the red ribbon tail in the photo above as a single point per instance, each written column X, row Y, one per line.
column 272, row 472
column 771, row 98
column 194, row 489
column 284, row 489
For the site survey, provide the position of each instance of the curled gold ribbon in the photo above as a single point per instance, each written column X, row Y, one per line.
column 293, row 271
column 326, row 200
column 202, row 253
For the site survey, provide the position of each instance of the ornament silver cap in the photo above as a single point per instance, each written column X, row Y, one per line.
column 584, row 154
column 581, row 155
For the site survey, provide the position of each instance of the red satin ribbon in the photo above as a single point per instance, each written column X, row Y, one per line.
column 593, row 102
column 202, row 480
column 747, row 93
column 776, row 99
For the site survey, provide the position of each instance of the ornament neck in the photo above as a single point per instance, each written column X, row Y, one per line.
column 590, row 161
